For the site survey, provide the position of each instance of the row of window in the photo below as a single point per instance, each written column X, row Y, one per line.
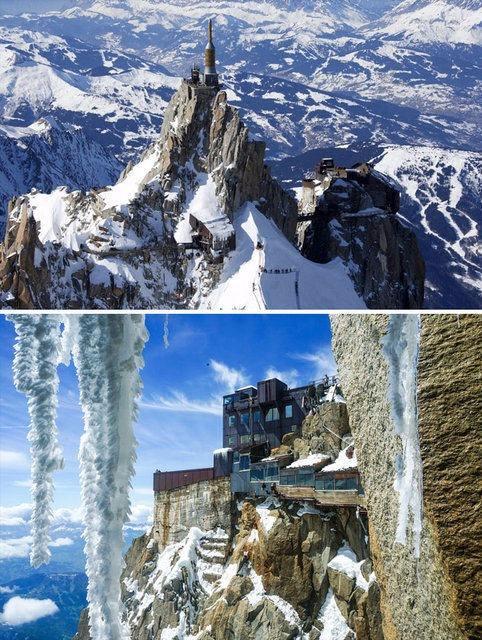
column 300, row 478
column 271, row 415
column 246, row 439
column 336, row 484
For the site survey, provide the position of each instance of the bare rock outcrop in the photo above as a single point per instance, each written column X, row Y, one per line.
column 355, row 219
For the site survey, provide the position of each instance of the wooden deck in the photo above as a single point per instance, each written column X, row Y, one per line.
column 322, row 498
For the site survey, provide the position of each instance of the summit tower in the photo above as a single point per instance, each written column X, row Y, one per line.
column 211, row 78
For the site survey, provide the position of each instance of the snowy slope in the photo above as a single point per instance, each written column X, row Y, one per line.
column 442, row 192
column 46, row 155
column 448, row 21
column 276, row 276
column 117, row 100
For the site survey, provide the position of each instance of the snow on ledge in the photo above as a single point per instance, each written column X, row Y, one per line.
column 310, row 461
column 342, row 463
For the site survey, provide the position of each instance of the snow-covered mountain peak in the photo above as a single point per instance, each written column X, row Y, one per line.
column 450, row 21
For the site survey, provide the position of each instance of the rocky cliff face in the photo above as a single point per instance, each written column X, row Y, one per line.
column 116, row 247
column 429, row 589
column 357, row 222
column 291, row 571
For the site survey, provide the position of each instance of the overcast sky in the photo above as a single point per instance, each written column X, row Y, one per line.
column 180, row 419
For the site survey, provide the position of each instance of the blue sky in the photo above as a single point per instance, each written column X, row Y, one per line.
column 180, row 418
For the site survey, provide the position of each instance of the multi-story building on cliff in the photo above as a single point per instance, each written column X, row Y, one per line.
column 257, row 423
column 265, row 413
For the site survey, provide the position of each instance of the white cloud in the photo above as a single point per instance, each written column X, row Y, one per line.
column 61, row 542
column 15, row 516
column 231, row 379
column 13, row 460
column 322, row 360
column 20, row 547
column 15, row 547
column 141, row 513
column 20, row 515
column 180, row 403
column 21, row 610
column 7, row 590
column 291, row 377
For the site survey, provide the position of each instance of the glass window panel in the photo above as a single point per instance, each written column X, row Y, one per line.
column 305, row 478
column 244, row 462
column 272, row 472
column 245, row 419
column 245, row 439
column 273, row 414
column 340, row 484
column 257, row 416
column 232, row 421
column 257, row 475
column 289, row 411
column 351, row 484
column 231, row 440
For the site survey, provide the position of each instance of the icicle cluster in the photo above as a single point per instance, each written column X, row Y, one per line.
column 401, row 348
column 35, row 375
column 107, row 352
column 108, row 355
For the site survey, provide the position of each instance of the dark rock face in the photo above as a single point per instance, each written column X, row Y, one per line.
column 355, row 220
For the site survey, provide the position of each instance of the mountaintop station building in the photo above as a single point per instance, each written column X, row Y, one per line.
column 330, row 191
column 255, row 420
column 212, row 232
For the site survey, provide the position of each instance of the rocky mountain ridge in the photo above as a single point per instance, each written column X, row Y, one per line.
column 130, row 245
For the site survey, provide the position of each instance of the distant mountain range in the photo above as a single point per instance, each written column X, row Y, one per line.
column 356, row 76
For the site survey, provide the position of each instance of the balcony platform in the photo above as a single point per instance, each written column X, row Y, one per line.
column 322, row 498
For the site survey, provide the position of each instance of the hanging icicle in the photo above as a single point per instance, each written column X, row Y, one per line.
column 107, row 352
column 108, row 356
column 401, row 348
column 35, row 375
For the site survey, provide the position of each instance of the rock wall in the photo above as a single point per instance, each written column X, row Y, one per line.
column 268, row 578
column 207, row 505
column 382, row 255
column 437, row 595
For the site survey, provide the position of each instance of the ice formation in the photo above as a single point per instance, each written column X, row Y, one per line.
column 401, row 348
column 107, row 353
column 35, row 375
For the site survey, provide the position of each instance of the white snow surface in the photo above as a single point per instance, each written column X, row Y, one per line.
column 249, row 280
column 342, row 463
column 334, row 624
column 346, row 562
column 433, row 21
column 309, row 461
column 263, row 510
